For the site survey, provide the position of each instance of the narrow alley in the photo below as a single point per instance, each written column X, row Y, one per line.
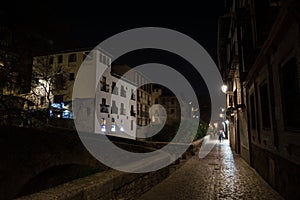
column 219, row 175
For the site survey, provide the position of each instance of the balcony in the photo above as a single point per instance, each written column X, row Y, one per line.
column 132, row 113
column 104, row 87
column 104, row 108
column 132, row 97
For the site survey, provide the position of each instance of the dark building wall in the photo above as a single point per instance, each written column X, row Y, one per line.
column 274, row 130
column 279, row 172
column 269, row 69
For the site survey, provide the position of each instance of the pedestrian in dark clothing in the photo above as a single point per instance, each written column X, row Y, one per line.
column 221, row 136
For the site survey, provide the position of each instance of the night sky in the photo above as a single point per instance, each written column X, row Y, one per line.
column 76, row 24
column 82, row 24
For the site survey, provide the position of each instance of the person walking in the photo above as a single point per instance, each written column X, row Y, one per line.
column 221, row 135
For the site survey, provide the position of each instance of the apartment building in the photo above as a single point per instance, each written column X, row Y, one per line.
column 55, row 75
column 53, row 78
column 121, row 108
column 143, row 96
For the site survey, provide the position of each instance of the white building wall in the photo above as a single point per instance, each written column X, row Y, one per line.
column 119, row 124
column 89, row 93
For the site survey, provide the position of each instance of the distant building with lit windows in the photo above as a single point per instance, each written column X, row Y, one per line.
column 172, row 113
column 120, row 106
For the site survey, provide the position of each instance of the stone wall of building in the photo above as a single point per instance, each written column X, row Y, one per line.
column 280, row 173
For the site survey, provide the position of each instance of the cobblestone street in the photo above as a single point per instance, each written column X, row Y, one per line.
column 220, row 175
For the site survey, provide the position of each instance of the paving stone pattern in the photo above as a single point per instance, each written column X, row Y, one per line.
column 220, row 175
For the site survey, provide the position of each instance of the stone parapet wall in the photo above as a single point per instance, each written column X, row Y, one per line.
column 112, row 184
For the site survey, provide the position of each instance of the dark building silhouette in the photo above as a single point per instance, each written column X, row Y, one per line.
column 259, row 58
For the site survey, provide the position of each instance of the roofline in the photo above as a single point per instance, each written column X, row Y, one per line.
column 73, row 50
column 123, row 79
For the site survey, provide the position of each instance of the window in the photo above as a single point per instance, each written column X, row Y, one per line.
column 113, row 125
column 291, row 95
column 123, row 91
column 114, row 108
column 264, row 103
column 71, row 76
column 132, row 97
column 60, row 59
column 172, row 111
column 131, row 125
column 156, row 101
column 103, row 101
column 172, row 101
column 59, row 82
column 132, row 111
column 114, row 88
column 235, row 100
column 104, row 86
column 103, row 124
column 103, row 106
column 72, row 58
column 122, row 127
column 253, row 114
column 122, row 109
column 163, row 101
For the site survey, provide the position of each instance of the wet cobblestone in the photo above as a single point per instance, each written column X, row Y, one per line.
column 220, row 175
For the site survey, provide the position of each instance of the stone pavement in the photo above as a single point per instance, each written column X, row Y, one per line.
column 219, row 175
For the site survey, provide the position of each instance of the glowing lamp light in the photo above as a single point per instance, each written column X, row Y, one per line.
column 122, row 129
column 113, row 128
column 224, row 88
column 103, row 129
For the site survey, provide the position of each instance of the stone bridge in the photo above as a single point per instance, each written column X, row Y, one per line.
column 32, row 159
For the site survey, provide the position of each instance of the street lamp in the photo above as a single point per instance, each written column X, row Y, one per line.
column 224, row 88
